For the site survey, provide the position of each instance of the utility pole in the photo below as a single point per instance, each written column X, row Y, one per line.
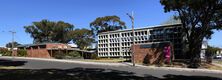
column 13, row 34
column 133, row 34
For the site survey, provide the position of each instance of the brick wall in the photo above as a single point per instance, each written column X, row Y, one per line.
column 43, row 52
column 39, row 53
column 148, row 55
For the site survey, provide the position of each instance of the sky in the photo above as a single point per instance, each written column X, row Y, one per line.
column 15, row 14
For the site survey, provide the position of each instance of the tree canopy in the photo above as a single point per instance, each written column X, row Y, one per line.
column 199, row 18
column 107, row 23
column 212, row 49
column 83, row 38
column 49, row 31
column 9, row 45
column 172, row 20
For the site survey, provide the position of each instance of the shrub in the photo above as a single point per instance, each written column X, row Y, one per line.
column 74, row 55
column 5, row 52
column 94, row 56
column 22, row 53
column 70, row 55
column 60, row 55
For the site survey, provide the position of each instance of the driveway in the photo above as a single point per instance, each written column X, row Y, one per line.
column 33, row 69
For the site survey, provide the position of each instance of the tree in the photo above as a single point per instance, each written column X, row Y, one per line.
column 49, row 31
column 9, row 45
column 199, row 18
column 61, row 31
column 210, row 52
column 172, row 20
column 212, row 49
column 107, row 23
column 82, row 37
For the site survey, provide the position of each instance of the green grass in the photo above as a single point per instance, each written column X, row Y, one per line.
column 215, row 68
column 211, row 66
column 8, row 67
column 219, row 62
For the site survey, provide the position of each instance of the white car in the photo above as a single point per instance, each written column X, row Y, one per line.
column 218, row 57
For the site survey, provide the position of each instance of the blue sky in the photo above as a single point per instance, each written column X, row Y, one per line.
column 15, row 14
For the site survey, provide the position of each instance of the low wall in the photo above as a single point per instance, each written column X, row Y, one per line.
column 148, row 53
column 38, row 53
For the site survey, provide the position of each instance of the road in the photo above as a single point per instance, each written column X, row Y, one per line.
column 29, row 69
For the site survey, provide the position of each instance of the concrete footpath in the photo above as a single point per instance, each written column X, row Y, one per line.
column 217, row 64
column 119, row 64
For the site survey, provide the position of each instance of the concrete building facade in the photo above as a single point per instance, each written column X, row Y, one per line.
column 118, row 43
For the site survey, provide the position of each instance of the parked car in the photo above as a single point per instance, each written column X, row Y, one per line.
column 218, row 57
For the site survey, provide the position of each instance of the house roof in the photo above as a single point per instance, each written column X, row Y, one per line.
column 73, row 49
column 29, row 45
column 73, row 45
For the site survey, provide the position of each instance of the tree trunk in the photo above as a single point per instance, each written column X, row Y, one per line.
column 194, row 51
column 209, row 56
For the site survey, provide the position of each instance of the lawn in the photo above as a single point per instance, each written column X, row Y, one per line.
column 8, row 67
column 219, row 62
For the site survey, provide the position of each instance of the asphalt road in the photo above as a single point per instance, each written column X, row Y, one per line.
column 50, row 70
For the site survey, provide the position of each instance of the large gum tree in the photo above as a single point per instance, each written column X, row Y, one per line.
column 83, row 38
column 49, row 31
column 199, row 18
column 107, row 23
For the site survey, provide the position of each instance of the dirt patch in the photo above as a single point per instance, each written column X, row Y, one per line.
column 184, row 64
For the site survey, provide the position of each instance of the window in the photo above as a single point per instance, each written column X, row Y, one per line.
column 42, row 46
column 139, row 33
column 142, row 37
column 135, row 33
column 34, row 47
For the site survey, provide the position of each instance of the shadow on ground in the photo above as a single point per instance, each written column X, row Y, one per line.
column 5, row 63
column 181, row 77
column 70, row 74
column 85, row 74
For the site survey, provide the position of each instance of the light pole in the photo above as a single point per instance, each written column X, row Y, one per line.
column 13, row 34
column 133, row 36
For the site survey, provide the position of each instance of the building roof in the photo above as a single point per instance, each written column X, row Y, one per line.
column 73, row 49
column 29, row 45
column 2, row 47
column 148, row 27
column 73, row 45
column 161, row 42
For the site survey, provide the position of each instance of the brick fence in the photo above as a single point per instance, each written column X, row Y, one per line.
column 149, row 53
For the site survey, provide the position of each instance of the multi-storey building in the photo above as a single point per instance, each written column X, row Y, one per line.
column 118, row 43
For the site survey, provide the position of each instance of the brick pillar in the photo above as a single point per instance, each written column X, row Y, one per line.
column 14, row 52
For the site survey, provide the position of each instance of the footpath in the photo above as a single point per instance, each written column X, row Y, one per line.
column 217, row 64
column 119, row 64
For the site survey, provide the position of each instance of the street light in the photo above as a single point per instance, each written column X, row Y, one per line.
column 12, row 42
column 133, row 48
column 13, row 34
